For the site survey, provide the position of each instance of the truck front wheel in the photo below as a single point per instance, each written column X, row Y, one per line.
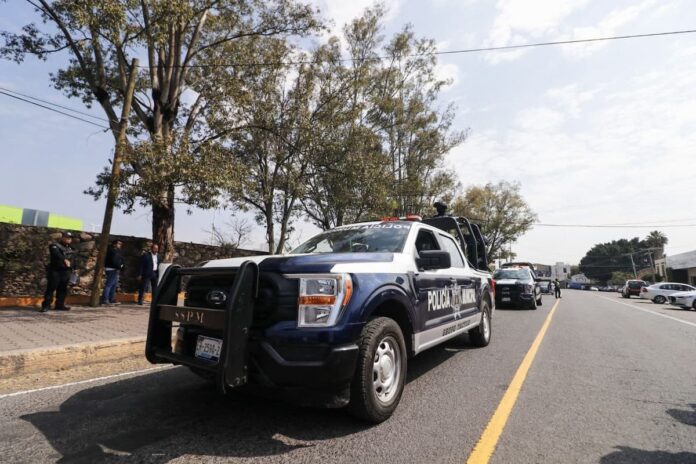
column 380, row 373
column 480, row 336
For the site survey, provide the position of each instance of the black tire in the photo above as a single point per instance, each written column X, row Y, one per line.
column 365, row 401
column 539, row 301
column 625, row 296
column 659, row 299
column 693, row 305
column 479, row 336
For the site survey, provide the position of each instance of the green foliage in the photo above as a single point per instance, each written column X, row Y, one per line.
column 501, row 210
column 620, row 278
column 381, row 138
column 171, row 157
column 656, row 239
column 603, row 259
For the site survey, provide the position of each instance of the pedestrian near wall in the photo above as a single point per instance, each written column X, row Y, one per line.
column 58, row 271
column 113, row 267
column 148, row 274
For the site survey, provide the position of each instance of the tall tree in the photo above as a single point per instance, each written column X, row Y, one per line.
column 622, row 255
column 272, row 135
column 656, row 239
column 502, row 211
column 349, row 177
column 168, row 163
column 384, row 139
column 414, row 132
column 603, row 259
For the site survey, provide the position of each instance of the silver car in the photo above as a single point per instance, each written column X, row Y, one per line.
column 659, row 293
column 683, row 299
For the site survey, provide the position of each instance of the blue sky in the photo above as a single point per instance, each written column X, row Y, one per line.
column 596, row 133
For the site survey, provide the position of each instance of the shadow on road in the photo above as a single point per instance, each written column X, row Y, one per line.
column 158, row 417
column 684, row 416
column 628, row 455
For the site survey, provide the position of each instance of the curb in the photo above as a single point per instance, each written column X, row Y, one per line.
column 19, row 362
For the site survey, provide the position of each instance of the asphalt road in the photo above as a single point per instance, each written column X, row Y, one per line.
column 611, row 383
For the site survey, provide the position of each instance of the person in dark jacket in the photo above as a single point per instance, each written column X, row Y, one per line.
column 114, row 265
column 58, row 273
column 557, row 288
column 148, row 273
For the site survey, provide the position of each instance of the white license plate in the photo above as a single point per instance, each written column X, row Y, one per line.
column 506, row 299
column 208, row 348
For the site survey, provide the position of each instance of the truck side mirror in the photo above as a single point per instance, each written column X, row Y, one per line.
column 433, row 259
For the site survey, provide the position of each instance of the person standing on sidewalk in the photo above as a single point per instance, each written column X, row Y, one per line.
column 557, row 288
column 58, row 271
column 148, row 274
column 114, row 265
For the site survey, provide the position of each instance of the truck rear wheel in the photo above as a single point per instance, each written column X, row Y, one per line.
column 380, row 373
column 481, row 336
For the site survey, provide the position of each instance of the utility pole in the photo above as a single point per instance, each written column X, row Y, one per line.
column 652, row 265
column 633, row 264
column 113, row 186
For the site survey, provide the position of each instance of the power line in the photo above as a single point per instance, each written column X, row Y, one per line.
column 618, row 226
column 55, row 110
column 449, row 52
column 55, row 104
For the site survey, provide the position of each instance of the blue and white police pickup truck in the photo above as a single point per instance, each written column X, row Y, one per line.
column 336, row 318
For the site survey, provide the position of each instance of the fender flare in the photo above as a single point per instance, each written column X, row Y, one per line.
column 384, row 294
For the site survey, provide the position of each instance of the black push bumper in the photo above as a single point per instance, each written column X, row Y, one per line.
column 246, row 354
column 234, row 321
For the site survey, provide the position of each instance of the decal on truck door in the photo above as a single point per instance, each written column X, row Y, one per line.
column 447, row 297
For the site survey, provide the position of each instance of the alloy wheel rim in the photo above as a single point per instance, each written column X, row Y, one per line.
column 386, row 370
column 486, row 326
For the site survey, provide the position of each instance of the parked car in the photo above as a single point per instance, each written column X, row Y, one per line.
column 683, row 299
column 546, row 287
column 593, row 289
column 632, row 288
column 658, row 293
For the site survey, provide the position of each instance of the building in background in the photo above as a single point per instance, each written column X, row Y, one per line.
column 678, row 268
column 33, row 217
column 542, row 270
column 560, row 271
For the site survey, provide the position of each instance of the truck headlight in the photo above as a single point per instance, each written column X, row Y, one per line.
column 528, row 288
column 322, row 298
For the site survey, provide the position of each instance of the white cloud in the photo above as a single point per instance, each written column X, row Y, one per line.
column 608, row 26
column 519, row 20
column 583, row 153
column 540, row 119
column 570, row 98
column 447, row 71
column 523, row 21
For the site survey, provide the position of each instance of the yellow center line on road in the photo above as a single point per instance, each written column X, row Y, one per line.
column 483, row 451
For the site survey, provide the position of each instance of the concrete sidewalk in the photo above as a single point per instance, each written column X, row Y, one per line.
column 31, row 341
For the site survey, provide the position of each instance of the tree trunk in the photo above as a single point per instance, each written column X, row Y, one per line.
column 270, row 228
column 163, row 224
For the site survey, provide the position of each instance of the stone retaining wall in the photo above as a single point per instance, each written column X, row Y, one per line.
column 24, row 255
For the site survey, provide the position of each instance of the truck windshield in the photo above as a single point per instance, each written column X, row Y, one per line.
column 517, row 274
column 385, row 237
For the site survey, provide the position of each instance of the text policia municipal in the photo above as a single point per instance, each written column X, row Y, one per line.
column 452, row 297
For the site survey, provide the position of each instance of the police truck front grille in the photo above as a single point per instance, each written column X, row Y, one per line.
column 276, row 300
column 505, row 291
